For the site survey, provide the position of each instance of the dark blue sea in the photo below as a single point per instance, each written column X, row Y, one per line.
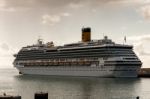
column 73, row 87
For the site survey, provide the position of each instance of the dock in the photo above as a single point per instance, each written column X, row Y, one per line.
column 42, row 95
column 144, row 72
column 37, row 95
column 9, row 97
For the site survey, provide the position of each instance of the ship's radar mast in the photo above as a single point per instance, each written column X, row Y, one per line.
column 105, row 37
column 40, row 41
column 50, row 44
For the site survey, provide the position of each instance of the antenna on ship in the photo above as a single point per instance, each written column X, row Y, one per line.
column 40, row 41
column 124, row 40
column 103, row 35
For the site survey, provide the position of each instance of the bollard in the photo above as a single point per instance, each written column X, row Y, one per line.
column 10, row 97
column 137, row 97
column 41, row 95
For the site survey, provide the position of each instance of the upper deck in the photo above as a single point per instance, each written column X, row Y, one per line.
column 105, row 42
column 85, row 48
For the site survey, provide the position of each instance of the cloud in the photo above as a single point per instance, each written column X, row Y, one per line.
column 140, row 38
column 65, row 14
column 2, row 3
column 8, row 9
column 142, row 6
column 75, row 5
column 6, row 62
column 4, row 8
column 61, row 6
column 62, row 3
column 7, row 6
column 55, row 4
column 141, row 48
column 50, row 19
column 142, row 1
column 6, row 50
column 6, row 55
column 4, row 46
column 53, row 19
column 35, row 4
column 145, row 10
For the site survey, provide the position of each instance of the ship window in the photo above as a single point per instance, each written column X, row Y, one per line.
column 105, row 58
column 62, row 59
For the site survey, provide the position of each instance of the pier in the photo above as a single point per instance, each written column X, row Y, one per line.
column 4, row 96
column 144, row 72
column 44, row 95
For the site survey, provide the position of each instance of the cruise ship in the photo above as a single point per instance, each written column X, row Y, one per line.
column 91, row 58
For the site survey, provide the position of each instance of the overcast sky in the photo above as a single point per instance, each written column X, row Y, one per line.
column 23, row 21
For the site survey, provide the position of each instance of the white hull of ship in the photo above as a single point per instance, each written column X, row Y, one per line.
column 76, row 71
